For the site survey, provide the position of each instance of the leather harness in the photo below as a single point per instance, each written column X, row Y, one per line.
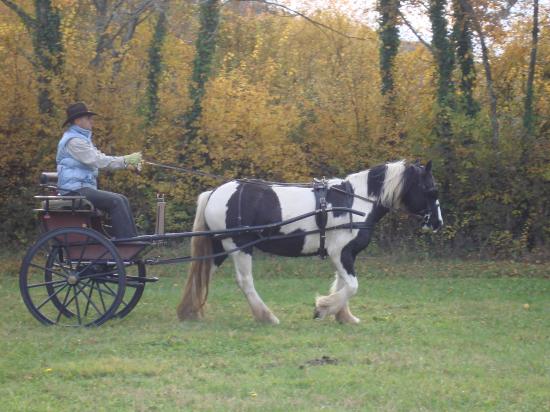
column 320, row 190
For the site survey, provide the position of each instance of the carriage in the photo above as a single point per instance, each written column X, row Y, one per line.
column 76, row 274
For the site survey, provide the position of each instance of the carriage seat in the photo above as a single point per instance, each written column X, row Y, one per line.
column 66, row 203
column 56, row 202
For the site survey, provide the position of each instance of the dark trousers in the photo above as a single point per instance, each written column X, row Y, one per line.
column 117, row 206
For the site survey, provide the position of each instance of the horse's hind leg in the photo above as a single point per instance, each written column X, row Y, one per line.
column 243, row 269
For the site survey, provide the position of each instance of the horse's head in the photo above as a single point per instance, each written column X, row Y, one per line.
column 420, row 195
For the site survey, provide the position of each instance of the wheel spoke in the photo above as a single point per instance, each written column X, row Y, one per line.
column 82, row 251
column 59, row 262
column 73, row 298
column 52, row 296
column 100, row 295
column 64, row 305
column 49, row 270
column 53, row 282
column 89, row 301
column 91, row 263
column 89, row 297
column 108, row 292
column 114, row 294
column 62, row 267
column 77, row 305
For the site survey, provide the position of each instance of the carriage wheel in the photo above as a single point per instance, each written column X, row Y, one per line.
column 72, row 277
column 135, row 285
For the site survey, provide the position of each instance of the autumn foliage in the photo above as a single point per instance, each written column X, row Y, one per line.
column 285, row 99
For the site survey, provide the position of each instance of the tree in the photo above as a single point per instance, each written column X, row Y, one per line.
column 205, row 47
column 443, row 53
column 462, row 39
column 389, row 46
column 467, row 7
column 115, row 26
column 44, row 28
column 444, row 59
column 528, row 115
column 155, row 68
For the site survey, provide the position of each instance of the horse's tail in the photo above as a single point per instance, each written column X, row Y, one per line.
column 195, row 291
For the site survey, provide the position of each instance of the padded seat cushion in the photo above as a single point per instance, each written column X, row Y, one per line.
column 67, row 204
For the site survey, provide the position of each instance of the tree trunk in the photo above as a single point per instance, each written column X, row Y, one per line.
column 443, row 53
column 487, row 67
column 528, row 115
column 389, row 45
column 155, row 69
column 444, row 59
column 202, row 64
column 462, row 36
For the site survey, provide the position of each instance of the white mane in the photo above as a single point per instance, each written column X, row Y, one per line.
column 392, row 188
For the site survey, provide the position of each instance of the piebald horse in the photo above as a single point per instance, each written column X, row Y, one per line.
column 393, row 186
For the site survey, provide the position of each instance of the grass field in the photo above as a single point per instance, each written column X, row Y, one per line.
column 435, row 335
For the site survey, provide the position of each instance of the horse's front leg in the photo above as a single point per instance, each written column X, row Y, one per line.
column 243, row 274
column 344, row 315
column 343, row 288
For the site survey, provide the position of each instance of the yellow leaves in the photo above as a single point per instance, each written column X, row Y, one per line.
column 246, row 132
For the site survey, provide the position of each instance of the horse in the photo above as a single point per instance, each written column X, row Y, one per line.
column 398, row 185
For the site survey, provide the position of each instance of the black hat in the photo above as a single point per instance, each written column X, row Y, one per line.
column 76, row 110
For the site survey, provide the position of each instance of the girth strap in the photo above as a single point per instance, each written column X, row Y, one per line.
column 349, row 200
column 320, row 189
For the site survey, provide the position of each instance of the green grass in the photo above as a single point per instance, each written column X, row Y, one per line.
column 435, row 335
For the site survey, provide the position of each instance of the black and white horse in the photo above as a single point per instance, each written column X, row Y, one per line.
column 398, row 185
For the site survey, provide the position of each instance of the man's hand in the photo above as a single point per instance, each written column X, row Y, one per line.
column 133, row 161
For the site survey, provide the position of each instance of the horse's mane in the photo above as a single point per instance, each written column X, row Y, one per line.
column 394, row 182
column 391, row 189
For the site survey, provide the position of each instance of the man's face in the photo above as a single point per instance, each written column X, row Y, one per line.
column 86, row 122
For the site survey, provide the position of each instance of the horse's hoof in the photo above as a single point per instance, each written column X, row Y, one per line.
column 347, row 318
column 272, row 319
column 317, row 314
column 268, row 318
column 351, row 320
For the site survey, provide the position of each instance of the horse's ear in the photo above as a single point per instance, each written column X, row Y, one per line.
column 429, row 166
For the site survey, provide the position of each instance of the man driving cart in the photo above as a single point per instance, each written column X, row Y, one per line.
column 78, row 162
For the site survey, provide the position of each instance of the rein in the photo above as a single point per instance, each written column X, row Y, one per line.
column 223, row 178
column 184, row 170
column 424, row 214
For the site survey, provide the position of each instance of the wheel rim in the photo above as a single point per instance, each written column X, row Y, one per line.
column 134, row 290
column 72, row 277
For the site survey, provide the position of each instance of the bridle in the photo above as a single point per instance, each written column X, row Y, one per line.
column 427, row 212
column 424, row 214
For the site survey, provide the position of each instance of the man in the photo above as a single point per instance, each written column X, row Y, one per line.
column 78, row 162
